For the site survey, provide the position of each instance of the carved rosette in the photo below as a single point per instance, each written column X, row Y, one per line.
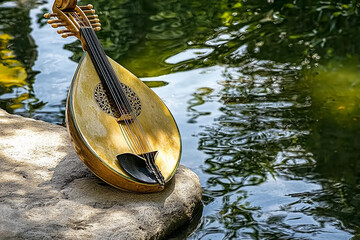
column 110, row 108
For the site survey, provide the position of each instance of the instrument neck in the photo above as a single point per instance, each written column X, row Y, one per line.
column 106, row 73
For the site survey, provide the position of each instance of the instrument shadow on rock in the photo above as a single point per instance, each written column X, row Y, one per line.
column 119, row 127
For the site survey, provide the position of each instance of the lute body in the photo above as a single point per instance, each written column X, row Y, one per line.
column 101, row 131
column 98, row 139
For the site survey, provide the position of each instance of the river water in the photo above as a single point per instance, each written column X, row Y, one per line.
column 266, row 95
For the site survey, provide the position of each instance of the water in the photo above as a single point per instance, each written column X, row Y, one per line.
column 266, row 96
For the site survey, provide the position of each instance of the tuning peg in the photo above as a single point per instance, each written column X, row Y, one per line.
column 87, row 7
column 51, row 21
column 97, row 29
column 89, row 11
column 65, row 35
column 96, row 25
column 61, row 31
column 56, row 25
column 94, row 20
column 93, row 16
column 49, row 15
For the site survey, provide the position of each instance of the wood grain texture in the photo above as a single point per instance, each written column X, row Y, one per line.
column 97, row 136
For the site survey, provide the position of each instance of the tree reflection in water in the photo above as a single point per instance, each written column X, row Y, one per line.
column 17, row 57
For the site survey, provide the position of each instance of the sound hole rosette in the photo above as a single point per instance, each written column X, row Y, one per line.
column 110, row 108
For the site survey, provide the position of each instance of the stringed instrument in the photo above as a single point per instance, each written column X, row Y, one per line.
column 119, row 127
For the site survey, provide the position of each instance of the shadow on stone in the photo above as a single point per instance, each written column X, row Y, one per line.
column 47, row 193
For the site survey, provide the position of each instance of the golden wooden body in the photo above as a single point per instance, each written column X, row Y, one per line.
column 97, row 136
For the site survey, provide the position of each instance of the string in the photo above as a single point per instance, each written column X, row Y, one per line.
column 130, row 134
column 137, row 140
column 111, row 88
column 130, row 139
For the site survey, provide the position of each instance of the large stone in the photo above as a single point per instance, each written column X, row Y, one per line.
column 47, row 193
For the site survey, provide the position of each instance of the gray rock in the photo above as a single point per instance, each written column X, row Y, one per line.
column 47, row 193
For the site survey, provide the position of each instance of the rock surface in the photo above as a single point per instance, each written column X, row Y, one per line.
column 47, row 193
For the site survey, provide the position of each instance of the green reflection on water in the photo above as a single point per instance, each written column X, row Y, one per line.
column 335, row 91
column 289, row 115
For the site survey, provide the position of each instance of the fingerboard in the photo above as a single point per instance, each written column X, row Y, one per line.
column 106, row 73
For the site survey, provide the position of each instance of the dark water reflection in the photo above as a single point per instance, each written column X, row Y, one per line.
column 266, row 96
column 18, row 55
